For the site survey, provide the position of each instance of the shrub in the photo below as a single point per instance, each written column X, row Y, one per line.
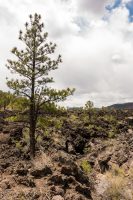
column 18, row 145
column 86, row 167
column 112, row 133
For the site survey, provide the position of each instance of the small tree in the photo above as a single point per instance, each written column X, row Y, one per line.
column 33, row 64
column 89, row 107
column 6, row 98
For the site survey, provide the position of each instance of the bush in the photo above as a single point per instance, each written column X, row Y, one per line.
column 86, row 167
column 18, row 145
column 112, row 133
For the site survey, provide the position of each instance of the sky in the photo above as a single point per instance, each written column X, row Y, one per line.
column 94, row 37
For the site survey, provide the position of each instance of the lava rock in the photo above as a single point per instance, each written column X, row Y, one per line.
column 84, row 191
column 41, row 172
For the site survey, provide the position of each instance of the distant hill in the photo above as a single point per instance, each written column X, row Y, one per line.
column 128, row 106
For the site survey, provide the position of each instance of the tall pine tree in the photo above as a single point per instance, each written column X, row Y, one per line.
column 33, row 64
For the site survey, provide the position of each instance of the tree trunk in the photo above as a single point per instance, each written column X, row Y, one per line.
column 32, row 142
column 32, row 132
column 32, row 105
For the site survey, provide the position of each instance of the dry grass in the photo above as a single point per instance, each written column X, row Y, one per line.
column 120, row 187
column 116, row 187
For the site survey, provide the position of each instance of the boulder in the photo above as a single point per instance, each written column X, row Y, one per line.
column 56, row 190
column 21, row 170
column 16, row 133
column 75, row 170
column 4, row 164
column 130, row 121
column 103, row 164
column 59, row 180
column 41, row 172
column 26, row 181
column 84, row 191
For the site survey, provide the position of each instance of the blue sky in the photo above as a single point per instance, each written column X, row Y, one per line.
column 114, row 5
column 118, row 3
column 130, row 8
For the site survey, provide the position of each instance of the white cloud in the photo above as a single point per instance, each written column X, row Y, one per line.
column 92, row 7
column 126, row 1
column 97, row 54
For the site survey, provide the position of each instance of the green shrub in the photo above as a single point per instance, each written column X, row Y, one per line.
column 73, row 117
column 85, row 165
column 110, row 118
column 12, row 119
column 46, row 133
column 18, row 145
column 39, row 139
column 111, row 134
column 58, row 123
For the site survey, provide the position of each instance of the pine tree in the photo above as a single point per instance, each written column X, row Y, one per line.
column 89, row 108
column 33, row 64
column 6, row 98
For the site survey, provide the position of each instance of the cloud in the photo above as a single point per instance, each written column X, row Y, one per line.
column 92, row 6
column 6, row 15
column 126, row 1
column 99, row 63
column 96, row 45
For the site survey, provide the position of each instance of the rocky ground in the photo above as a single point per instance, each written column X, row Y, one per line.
column 62, row 171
